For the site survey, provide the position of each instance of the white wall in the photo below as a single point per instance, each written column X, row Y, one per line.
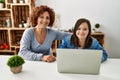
column 105, row 12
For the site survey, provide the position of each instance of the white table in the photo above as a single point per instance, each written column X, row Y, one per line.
column 37, row 70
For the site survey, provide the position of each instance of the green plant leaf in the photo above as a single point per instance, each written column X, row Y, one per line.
column 15, row 61
column 97, row 25
column 2, row 1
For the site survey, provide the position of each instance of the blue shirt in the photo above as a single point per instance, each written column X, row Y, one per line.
column 31, row 49
column 66, row 43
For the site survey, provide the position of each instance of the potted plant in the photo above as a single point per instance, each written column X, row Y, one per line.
column 2, row 3
column 97, row 26
column 15, row 63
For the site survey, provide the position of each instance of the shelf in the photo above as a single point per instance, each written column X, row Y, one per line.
column 97, row 33
column 21, row 13
column 4, row 15
column 7, row 53
column 5, row 50
column 18, row 28
column 4, row 28
column 11, row 16
column 20, row 4
column 5, row 9
column 4, row 37
column 16, row 37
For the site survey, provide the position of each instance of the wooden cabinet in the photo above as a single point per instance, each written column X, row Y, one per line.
column 100, row 37
column 11, row 17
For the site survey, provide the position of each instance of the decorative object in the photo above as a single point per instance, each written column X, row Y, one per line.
column 15, row 63
column 14, row 1
column 97, row 26
column 26, row 1
column 20, row 25
column 2, row 3
column 8, row 23
column 21, row 1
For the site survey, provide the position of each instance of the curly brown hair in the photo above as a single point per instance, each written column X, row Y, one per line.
column 37, row 11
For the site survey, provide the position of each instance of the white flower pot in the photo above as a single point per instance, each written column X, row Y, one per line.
column 97, row 30
column 21, row 1
column 16, row 69
column 1, row 5
column 26, row 1
column 14, row 1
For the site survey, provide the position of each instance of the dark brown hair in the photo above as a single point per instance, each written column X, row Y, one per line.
column 37, row 11
column 74, row 38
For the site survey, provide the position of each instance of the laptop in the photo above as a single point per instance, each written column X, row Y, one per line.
column 79, row 61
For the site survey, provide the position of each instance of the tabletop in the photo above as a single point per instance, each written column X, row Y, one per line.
column 38, row 70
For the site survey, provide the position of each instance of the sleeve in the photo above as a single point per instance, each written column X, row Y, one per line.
column 99, row 47
column 61, row 35
column 25, row 50
column 63, row 44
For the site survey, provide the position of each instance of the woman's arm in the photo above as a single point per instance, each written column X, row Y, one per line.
column 64, row 43
column 60, row 35
column 97, row 46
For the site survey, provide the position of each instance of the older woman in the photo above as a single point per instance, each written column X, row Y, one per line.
column 36, row 41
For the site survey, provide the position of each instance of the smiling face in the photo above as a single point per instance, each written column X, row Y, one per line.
column 82, row 31
column 43, row 20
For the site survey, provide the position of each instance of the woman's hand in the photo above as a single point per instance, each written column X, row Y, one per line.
column 48, row 58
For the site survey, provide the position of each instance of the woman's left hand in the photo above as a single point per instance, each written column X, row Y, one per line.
column 48, row 58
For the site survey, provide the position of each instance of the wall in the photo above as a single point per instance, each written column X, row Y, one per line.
column 106, row 12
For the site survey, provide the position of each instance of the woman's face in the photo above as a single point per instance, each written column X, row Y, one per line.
column 44, row 19
column 82, row 31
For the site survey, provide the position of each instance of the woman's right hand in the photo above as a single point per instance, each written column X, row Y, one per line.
column 48, row 58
